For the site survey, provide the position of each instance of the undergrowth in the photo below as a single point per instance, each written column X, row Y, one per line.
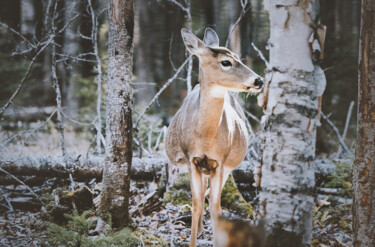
column 75, row 233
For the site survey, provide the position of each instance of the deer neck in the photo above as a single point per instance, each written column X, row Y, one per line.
column 211, row 104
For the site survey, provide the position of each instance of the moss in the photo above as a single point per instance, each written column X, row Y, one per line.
column 151, row 240
column 180, row 193
column 341, row 178
column 177, row 197
column 125, row 238
column 232, row 199
column 183, row 182
column 76, row 233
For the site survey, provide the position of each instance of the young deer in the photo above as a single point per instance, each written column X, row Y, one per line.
column 208, row 132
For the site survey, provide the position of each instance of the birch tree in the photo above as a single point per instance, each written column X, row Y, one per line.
column 291, row 94
column 364, row 171
column 114, row 200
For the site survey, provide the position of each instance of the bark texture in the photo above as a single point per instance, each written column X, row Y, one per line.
column 114, row 202
column 293, row 85
column 364, row 172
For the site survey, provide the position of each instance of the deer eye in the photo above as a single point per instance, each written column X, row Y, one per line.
column 226, row 63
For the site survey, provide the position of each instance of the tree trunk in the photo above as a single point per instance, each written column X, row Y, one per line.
column 364, row 171
column 27, row 19
column 293, row 85
column 72, row 47
column 114, row 201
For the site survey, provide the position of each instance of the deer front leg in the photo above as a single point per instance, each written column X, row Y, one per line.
column 216, row 181
column 204, row 187
column 196, row 191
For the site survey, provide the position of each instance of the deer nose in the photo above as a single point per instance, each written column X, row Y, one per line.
column 258, row 82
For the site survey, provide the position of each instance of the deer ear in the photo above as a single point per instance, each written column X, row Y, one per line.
column 210, row 37
column 193, row 44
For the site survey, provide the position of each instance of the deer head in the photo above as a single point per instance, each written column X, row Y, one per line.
column 219, row 68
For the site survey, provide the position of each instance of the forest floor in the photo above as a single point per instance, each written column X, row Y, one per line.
column 23, row 224
column 155, row 223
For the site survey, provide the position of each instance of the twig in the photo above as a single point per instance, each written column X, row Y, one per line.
column 190, row 27
column 18, row 34
column 10, row 207
column 170, row 80
column 149, row 140
column 75, row 121
column 260, row 53
column 251, row 116
column 348, row 116
column 15, row 178
column 143, row 244
column 246, row 6
column 170, row 51
column 55, row 84
column 26, row 75
column 159, row 138
column 6, row 141
column 88, row 150
column 94, row 38
column 334, row 128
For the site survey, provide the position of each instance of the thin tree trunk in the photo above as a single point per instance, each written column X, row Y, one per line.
column 27, row 19
column 364, row 171
column 114, row 201
column 72, row 47
column 293, row 85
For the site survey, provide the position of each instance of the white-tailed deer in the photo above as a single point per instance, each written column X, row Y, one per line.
column 208, row 132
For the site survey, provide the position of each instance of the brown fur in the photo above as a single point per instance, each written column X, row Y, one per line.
column 208, row 132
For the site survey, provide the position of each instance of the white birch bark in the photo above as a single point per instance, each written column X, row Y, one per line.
column 293, row 85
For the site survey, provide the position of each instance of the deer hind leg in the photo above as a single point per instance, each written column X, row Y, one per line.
column 196, row 191
column 226, row 172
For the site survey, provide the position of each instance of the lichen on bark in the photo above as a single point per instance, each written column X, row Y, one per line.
column 114, row 200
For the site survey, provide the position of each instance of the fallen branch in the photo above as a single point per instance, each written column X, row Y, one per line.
column 19, row 181
column 144, row 169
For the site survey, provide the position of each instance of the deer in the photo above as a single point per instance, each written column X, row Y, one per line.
column 208, row 132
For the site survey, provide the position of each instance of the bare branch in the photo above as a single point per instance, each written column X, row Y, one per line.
column 170, row 52
column 6, row 141
column 75, row 121
column 170, row 80
column 246, row 6
column 18, row 34
column 98, row 68
column 348, row 116
column 190, row 27
column 19, row 181
column 180, row 6
column 251, row 116
column 260, row 53
column 3, row 109
column 341, row 140
column 55, row 84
